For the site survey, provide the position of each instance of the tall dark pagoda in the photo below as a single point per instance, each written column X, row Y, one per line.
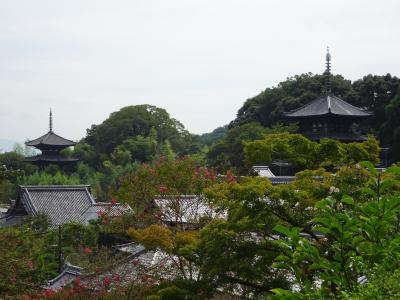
column 328, row 116
column 51, row 146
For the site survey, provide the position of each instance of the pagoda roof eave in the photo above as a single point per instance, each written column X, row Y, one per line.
column 287, row 115
column 50, row 139
column 325, row 105
column 40, row 158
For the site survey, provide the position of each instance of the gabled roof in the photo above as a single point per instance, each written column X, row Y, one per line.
column 328, row 104
column 67, row 276
column 265, row 171
column 50, row 139
column 62, row 204
column 183, row 209
column 112, row 210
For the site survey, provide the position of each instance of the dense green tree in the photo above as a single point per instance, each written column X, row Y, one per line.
column 238, row 252
column 12, row 167
column 306, row 154
column 138, row 147
column 140, row 121
column 228, row 153
column 375, row 93
column 173, row 177
column 27, row 261
column 208, row 139
column 15, row 161
column 87, row 153
column 46, row 178
column 390, row 131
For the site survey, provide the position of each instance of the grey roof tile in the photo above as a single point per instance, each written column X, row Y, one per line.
column 112, row 210
column 62, row 204
column 50, row 139
column 185, row 209
column 328, row 104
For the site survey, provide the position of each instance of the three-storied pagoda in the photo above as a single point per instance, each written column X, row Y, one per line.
column 328, row 116
column 51, row 146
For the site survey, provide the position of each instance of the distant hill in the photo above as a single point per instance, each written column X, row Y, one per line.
column 211, row 137
column 6, row 145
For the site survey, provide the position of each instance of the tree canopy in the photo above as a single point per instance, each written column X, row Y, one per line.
column 137, row 130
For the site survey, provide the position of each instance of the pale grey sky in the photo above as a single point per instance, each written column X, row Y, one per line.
column 198, row 59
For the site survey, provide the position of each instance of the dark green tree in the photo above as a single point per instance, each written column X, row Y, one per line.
column 135, row 121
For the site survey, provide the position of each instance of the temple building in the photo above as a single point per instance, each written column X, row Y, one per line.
column 61, row 204
column 329, row 116
column 50, row 146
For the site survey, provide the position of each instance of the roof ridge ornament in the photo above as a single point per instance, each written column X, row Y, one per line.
column 327, row 73
column 50, row 121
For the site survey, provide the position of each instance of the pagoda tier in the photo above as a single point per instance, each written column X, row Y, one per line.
column 328, row 116
column 51, row 146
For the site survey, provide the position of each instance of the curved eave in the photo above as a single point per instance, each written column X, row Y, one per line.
column 325, row 105
column 366, row 115
column 58, row 141
column 55, row 160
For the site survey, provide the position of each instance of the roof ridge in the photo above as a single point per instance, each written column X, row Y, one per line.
column 328, row 99
column 54, row 186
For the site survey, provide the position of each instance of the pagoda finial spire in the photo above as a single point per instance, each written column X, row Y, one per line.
column 51, row 121
column 327, row 73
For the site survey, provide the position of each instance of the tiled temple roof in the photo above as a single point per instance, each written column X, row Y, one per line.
column 61, row 203
column 328, row 104
column 50, row 139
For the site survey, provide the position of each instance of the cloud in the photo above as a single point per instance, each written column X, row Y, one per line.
column 198, row 59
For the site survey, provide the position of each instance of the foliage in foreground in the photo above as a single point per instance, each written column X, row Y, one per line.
column 314, row 238
column 306, row 154
column 353, row 239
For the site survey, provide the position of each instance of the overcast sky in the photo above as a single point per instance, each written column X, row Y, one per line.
column 198, row 59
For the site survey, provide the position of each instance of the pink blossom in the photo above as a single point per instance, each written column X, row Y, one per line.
column 77, row 281
column 135, row 262
column 230, row 177
column 29, row 264
column 106, row 281
column 101, row 213
column 162, row 189
column 47, row 293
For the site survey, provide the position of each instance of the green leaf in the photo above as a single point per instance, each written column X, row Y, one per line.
column 282, row 229
column 347, row 200
column 357, row 240
column 394, row 170
column 370, row 166
column 281, row 292
column 368, row 191
column 280, row 258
